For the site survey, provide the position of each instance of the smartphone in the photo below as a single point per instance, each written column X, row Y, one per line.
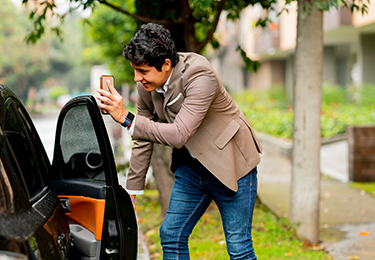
column 104, row 86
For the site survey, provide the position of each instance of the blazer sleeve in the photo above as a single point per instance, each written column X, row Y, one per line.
column 200, row 87
column 141, row 151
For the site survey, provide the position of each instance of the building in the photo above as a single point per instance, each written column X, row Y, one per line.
column 349, row 48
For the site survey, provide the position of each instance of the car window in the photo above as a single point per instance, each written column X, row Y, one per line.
column 79, row 144
column 22, row 147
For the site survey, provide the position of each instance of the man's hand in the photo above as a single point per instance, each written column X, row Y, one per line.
column 112, row 102
column 132, row 197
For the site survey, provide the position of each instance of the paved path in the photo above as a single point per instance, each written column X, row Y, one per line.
column 347, row 215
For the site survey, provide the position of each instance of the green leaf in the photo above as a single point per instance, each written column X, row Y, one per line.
column 249, row 63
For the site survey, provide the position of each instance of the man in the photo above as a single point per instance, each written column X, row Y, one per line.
column 182, row 103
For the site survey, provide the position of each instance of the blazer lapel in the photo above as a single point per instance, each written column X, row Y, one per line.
column 177, row 74
column 158, row 105
column 176, row 77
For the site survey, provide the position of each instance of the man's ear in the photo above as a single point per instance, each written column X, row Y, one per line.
column 167, row 65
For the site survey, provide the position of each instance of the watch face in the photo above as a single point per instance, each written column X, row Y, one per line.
column 130, row 116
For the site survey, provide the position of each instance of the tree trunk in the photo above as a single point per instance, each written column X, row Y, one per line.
column 305, row 183
column 168, row 11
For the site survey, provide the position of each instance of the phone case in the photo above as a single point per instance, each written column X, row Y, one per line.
column 103, row 82
column 103, row 85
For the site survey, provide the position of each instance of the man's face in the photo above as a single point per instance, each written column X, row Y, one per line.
column 149, row 76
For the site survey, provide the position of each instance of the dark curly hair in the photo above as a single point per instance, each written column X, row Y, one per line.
column 151, row 45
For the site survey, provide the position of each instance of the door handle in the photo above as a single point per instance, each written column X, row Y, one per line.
column 65, row 204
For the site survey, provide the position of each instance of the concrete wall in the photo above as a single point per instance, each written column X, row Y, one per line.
column 367, row 58
column 329, row 64
column 270, row 73
column 337, row 64
column 289, row 78
column 360, row 20
column 229, row 65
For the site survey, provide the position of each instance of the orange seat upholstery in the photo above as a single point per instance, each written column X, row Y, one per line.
column 87, row 212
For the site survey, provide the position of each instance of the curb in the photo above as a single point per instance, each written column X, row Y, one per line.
column 285, row 146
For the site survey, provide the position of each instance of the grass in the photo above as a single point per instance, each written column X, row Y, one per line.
column 274, row 238
column 368, row 187
column 269, row 112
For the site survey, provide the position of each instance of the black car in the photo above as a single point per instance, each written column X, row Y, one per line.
column 72, row 209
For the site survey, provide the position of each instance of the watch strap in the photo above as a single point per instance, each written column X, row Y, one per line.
column 128, row 120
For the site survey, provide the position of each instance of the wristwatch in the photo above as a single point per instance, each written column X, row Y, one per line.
column 128, row 120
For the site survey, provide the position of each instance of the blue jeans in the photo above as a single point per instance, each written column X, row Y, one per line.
column 194, row 189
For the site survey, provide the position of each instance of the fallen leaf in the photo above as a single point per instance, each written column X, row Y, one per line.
column 317, row 247
column 327, row 194
column 354, row 257
column 364, row 233
column 307, row 243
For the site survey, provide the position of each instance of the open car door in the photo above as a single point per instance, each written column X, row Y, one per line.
column 102, row 219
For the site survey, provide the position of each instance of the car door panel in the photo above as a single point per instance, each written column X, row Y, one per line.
column 102, row 219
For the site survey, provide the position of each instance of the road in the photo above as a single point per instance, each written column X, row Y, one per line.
column 46, row 127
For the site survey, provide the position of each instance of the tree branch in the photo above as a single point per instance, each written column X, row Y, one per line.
column 220, row 8
column 139, row 17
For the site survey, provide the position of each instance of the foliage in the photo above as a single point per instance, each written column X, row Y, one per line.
column 269, row 112
column 249, row 64
column 70, row 67
column 43, row 65
column 356, row 5
column 20, row 67
column 192, row 23
column 110, row 31
column 274, row 238
column 57, row 91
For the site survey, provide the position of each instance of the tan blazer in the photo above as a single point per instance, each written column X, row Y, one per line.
column 198, row 113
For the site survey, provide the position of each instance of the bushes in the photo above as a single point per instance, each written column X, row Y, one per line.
column 268, row 111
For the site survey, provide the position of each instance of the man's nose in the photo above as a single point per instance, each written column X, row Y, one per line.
column 137, row 76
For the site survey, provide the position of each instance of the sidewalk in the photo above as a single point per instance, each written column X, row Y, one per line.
column 347, row 216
